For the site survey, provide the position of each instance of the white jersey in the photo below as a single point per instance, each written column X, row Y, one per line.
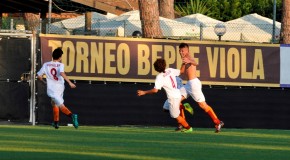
column 179, row 85
column 167, row 81
column 54, row 80
column 52, row 71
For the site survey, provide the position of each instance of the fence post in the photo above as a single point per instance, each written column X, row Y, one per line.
column 201, row 32
column 125, row 28
column 32, row 77
column 274, row 22
column 11, row 25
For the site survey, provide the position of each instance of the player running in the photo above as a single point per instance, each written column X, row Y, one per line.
column 182, row 107
column 166, row 79
column 193, row 86
column 55, row 76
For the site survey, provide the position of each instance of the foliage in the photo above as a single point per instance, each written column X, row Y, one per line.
column 226, row 10
column 192, row 7
column 5, row 23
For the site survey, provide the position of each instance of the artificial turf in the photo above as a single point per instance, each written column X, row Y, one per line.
column 24, row 142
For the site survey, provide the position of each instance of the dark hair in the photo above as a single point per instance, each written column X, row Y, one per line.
column 183, row 45
column 160, row 65
column 57, row 53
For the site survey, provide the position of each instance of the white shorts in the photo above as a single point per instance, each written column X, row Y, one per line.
column 183, row 93
column 56, row 95
column 166, row 105
column 173, row 106
column 194, row 89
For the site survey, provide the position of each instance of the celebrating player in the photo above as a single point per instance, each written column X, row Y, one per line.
column 55, row 76
column 193, row 86
column 166, row 79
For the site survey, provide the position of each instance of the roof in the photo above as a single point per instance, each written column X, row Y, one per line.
column 116, row 7
column 253, row 28
column 41, row 6
column 198, row 19
column 68, row 8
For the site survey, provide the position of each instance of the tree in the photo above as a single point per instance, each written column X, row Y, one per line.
column 149, row 16
column 246, row 7
column 88, row 22
column 226, row 10
column 32, row 21
column 285, row 25
column 236, row 10
column 214, row 7
column 192, row 7
column 166, row 9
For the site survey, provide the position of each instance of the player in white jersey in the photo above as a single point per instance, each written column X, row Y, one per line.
column 166, row 79
column 182, row 107
column 55, row 77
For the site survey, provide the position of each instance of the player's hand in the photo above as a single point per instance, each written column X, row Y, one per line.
column 72, row 85
column 186, row 60
column 140, row 93
column 44, row 82
column 189, row 60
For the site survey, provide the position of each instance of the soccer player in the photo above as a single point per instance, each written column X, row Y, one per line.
column 182, row 107
column 166, row 79
column 55, row 76
column 193, row 86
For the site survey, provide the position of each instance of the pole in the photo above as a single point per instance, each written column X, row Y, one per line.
column 201, row 32
column 32, row 78
column 274, row 21
column 220, row 10
column 49, row 14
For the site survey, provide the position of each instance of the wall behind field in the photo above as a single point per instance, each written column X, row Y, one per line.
column 117, row 104
column 14, row 93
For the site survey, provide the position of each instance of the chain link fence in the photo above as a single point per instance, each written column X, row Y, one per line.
column 261, row 33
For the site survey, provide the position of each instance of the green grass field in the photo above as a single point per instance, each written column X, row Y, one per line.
column 23, row 142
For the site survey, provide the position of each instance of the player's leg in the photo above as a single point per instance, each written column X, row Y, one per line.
column 166, row 109
column 181, row 110
column 67, row 112
column 209, row 111
column 55, row 110
column 59, row 101
column 175, row 113
column 218, row 124
column 185, row 95
column 195, row 90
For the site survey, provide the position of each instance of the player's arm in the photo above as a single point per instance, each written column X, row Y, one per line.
column 190, row 60
column 182, row 69
column 40, row 77
column 67, row 80
column 151, row 91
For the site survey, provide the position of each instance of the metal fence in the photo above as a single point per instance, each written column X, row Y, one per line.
column 17, row 70
column 262, row 33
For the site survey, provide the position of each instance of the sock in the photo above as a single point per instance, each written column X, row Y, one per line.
column 181, row 108
column 183, row 122
column 210, row 112
column 55, row 113
column 213, row 116
column 65, row 110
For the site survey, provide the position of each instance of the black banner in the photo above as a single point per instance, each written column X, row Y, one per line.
column 131, row 60
column 14, row 57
